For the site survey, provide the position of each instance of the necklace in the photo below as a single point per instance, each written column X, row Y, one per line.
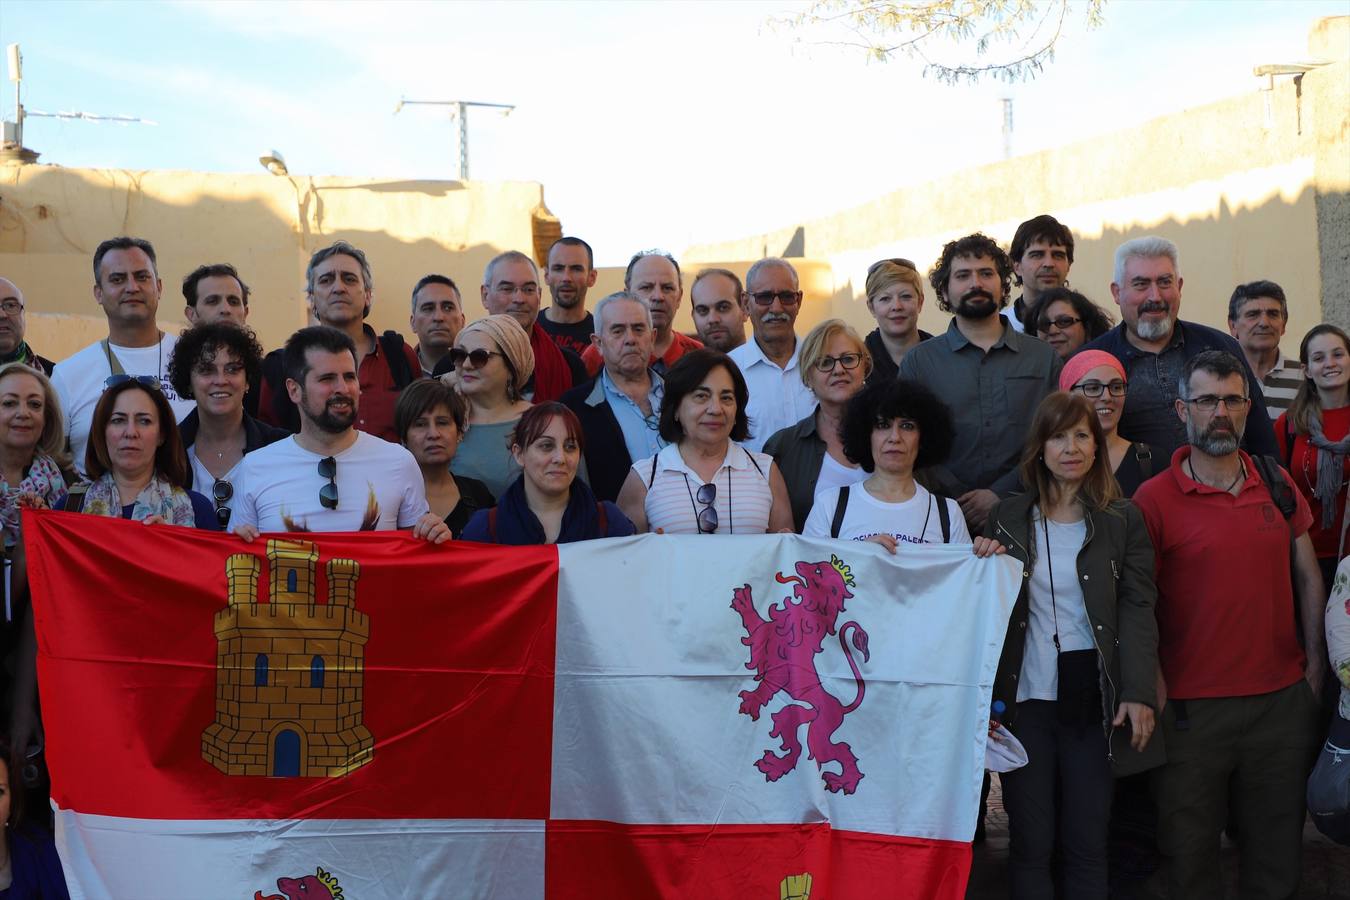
column 1242, row 471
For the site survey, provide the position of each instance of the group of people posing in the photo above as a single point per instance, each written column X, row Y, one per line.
column 1175, row 495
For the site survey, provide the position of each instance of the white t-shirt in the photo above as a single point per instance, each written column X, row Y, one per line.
column 1040, row 672
column 79, row 380
column 835, row 474
column 915, row 521
column 281, row 484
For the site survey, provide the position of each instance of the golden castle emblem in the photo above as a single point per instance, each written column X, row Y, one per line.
column 289, row 671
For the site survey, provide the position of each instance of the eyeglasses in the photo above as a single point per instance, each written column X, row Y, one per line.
column 221, row 492
column 328, row 494
column 1209, row 402
column 895, row 260
column 1094, row 389
column 525, row 290
column 150, row 381
column 766, row 298
column 11, row 307
column 849, row 361
column 478, row 357
column 1063, row 323
column 707, row 516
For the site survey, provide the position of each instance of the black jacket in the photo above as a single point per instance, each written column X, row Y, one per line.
column 1115, row 571
column 883, row 366
column 607, row 459
column 256, row 435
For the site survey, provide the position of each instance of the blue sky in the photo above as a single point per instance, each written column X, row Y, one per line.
column 649, row 124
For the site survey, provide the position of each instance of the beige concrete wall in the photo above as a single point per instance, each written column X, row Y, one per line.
column 52, row 218
column 1250, row 187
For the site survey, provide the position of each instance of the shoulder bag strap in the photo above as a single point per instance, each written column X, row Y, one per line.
column 944, row 518
column 1143, row 455
column 114, row 364
column 839, row 507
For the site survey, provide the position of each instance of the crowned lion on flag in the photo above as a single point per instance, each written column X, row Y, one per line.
column 782, row 653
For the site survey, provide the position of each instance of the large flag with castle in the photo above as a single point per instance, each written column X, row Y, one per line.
column 359, row 716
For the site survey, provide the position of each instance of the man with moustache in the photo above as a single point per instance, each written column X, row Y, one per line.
column 341, row 289
column 779, row 396
column 719, row 317
column 991, row 376
column 1153, row 345
column 1042, row 253
column 1257, row 315
column 569, row 274
column 1241, row 716
column 13, row 325
column 619, row 408
column 330, row 476
column 511, row 287
column 654, row 277
column 127, row 286
column 437, row 318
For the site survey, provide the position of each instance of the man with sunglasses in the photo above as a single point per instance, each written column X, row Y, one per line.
column 127, row 287
column 340, row 289
column 1241, row 714
column 13, row 325
column 330, row 476
column 779, row 396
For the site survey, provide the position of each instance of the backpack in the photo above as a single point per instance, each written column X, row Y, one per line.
column 944, row 516
column 284, row 411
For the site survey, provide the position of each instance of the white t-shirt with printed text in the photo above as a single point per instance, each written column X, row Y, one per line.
column 915, row 521
column 378, row 482
column 79, row 381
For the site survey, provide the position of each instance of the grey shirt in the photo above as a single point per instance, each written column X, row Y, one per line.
column 992, row 397
column 483, row 454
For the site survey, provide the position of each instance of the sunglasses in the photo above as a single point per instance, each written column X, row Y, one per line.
column 895, row 260
column 221, row 492
column 150, row 381
column 328, row 494
column 707, row 517
column 478, row 357
column 766, row 298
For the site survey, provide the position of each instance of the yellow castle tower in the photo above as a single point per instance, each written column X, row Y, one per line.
column 289, row 671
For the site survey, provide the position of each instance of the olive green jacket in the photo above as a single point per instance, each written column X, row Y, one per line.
column 1115, row 571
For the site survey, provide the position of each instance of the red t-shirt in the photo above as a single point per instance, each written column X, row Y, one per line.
column 1303, row 468
column 678, row 347
column 1225, row 599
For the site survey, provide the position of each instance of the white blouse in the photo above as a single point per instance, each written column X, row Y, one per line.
column 743, row 496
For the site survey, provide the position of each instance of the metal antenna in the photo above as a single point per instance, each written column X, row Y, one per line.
column 459, row 112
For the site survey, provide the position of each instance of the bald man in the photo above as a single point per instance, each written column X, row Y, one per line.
column 13, row 325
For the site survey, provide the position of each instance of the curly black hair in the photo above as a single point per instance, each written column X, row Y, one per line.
column 974, row 246
column 203, row 342
column 883, row 400
column 1096, row 322
column 684, row 378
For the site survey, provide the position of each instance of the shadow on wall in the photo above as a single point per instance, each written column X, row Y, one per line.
column 1275, row 240
column 52, row 219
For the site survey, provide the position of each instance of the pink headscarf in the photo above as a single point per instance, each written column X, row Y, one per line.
column 1084, row 362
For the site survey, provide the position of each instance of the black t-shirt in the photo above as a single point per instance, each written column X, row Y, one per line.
column 575, row 337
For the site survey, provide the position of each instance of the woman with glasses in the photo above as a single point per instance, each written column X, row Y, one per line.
column 493, row 362
column 895, row 299
column 1066, row 320
column 214, row 365
column 705, row 482
column 1077, row 672
column 890, row 429
column 1314, row 440
column 430, row 421
column 1100, row 377
column 136, row 459
column 547, row 503
column 833, row 363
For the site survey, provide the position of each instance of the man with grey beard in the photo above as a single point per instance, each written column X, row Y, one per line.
column 1153, row 345
column 1238, row 694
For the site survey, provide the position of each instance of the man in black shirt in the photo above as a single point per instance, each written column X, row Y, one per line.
column 569, row 274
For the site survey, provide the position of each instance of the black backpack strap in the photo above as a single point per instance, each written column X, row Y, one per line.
column 755, row 463
column 1288, row 442
column 75, row 498
column 839, row 507
column 1143, row 455
column 944, row 518
column 652, row 480
column 391, row 344
column 284, row 412
column 492, row 525
column 1268, row 467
